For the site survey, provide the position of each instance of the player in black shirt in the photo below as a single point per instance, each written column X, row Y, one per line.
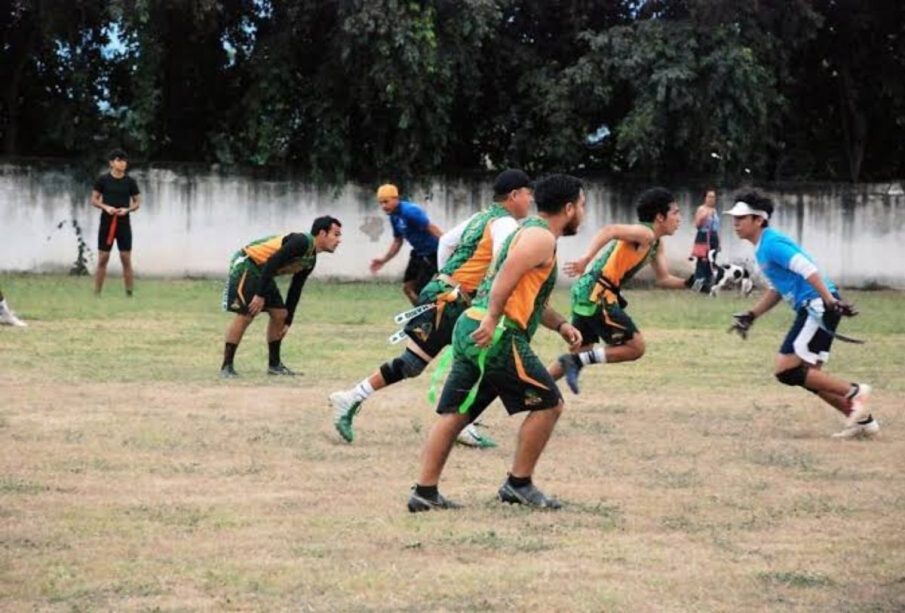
column 116, row 195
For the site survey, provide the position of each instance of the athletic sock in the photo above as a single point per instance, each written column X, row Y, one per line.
column 363, row 390
column 519, row 481
column 866, row 420
column 274, row 348
column 229, row 352
column 597, row 355
column 853, row 391
column 427, row 491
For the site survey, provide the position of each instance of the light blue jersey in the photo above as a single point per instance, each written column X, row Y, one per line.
column 776, row 255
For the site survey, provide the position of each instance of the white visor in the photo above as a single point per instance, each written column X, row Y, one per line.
column 743, row 208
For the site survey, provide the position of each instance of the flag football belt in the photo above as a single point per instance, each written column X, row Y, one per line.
column 479, row 354
column 603, row 287
column 453, row 294
column 817, row 317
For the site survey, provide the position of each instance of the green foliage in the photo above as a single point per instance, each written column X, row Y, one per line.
column 375, row 89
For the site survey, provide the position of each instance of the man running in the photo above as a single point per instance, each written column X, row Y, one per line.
column 251, row 287
column 794, row 277
column 465, row 254
column 117, row 196
column 411, row 223
column 598, row 308
column 493, row 356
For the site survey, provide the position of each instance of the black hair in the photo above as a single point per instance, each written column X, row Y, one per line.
column 323, row 224
column 552, row 193
column 758, row 201
column 117, row 154
column 652, row 202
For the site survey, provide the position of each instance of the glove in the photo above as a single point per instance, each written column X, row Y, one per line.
column 690, row 280
column 842, row 308
column 742, row 323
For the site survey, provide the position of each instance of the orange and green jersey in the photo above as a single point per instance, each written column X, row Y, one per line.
column 619, row 262
column 525, row 306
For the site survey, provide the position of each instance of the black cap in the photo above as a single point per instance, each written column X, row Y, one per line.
column 509, row 180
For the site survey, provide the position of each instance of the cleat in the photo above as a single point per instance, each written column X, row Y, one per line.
column 860, row 410
column 527, row 495
column 571, row 366
column 471, row 437
column 8, row 318
column 228, row 372
column 280, row 369
column 345, row 408
column 417, row 503
column 864, row 429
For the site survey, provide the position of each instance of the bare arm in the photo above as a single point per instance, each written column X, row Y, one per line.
column 662, row 274
column 701, row 215
column 817, row 283
column 769, row 300
column 135, row 204
column 97, row 200
column 434, row 230
column 534, row 247
column 553, row 320
column 377, row 263
column 634, row 233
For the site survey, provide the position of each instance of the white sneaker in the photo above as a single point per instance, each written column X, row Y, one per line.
column 345, row 407
column 8, row 318
column 868, row 430
column 860, row 410
column 471, row 437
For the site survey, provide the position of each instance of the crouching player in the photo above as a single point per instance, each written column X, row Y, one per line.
column 795, row 278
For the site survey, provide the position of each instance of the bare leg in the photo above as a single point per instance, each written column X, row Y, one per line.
column 408, row 288
column 128, row 274
column 100, row 273
column 439, row 442
column 832, row 390
column 532, row 438
column 276, row 324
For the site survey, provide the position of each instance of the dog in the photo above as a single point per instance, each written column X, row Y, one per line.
column 729, row 275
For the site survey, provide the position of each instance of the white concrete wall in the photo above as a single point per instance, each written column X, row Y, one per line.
column 193, row 218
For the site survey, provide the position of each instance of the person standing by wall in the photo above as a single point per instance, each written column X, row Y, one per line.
column 117, row 196
column 706, row 241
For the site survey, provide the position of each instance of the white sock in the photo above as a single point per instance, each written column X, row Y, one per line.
column 597, row 355
column 362, row 390
column 3, row 307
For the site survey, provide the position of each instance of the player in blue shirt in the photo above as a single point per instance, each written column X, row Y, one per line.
column 411, row 223
column 794, row 277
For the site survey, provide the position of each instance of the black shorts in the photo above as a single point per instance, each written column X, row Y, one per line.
column 808, row 337
column 420, row 270
column 512, row 372
column 243, row 285
column 121, row 234
column 611, row 324
column 432, row 330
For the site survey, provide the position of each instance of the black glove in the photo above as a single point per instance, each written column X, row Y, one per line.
column 690, row 280
column 842, row 308
column 742, row 323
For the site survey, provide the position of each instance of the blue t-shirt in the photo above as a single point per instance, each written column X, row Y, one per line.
column 410, row 222
column 774, row 253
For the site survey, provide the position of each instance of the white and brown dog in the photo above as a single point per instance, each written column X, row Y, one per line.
column 726, row 276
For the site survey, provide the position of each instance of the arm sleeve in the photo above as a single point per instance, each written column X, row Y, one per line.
column 416, row 217
column 295, row 246
column 449, row 241
column 295, row 292
column 500, row 230
column 802, row 266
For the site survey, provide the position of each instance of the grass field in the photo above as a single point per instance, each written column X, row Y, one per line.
column 132, row 478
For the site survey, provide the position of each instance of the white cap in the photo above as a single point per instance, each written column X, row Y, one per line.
column 743, row 208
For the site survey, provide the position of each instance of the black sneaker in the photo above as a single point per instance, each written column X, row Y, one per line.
column 228, row 372
column 418, row 503
column 280, row 369
column 527, row 495
column 571, row 366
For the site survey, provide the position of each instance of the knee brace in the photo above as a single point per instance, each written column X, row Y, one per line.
column 793, row 376
column 407, row 366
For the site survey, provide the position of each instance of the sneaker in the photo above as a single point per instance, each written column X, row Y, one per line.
column 860, row 410
column 528, row 495
column 280, row 369
column 865, row 429
column 8, row 318
column 345, row 408
column 571, row 366
column 228, row 372
column 418, row 503
column 471, row 437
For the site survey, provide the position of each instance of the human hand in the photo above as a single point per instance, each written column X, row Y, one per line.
column 842, row 308
column 573, row 269
column 255, row 306
column 570, row 334
column 376, row 265
column 483, row 336
column 742, row 323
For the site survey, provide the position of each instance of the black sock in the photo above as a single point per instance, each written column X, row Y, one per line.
column 274, row 348
column 853, row 391
column 426, row 491
column 229, row 352
column 519, row 481
column 129, row 293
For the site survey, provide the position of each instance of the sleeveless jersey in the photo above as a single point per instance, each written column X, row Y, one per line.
column 469, row 262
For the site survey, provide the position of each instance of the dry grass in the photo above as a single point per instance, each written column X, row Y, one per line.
column 132, row 479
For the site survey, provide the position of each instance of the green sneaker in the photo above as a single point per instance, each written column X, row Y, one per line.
column 471, row 437
column 345, row 408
